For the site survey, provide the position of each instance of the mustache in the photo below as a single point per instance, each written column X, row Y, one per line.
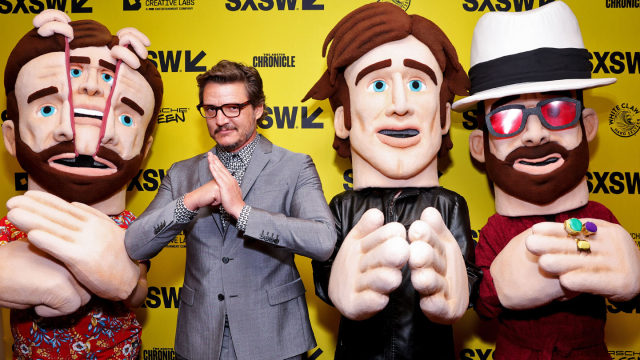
column 224, row 127
column 536, row 152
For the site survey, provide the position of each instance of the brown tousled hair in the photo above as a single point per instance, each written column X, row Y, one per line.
column 373, row 25
column 226, row 72
column 86, row 33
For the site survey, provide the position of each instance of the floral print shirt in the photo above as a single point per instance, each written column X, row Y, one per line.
column 101, row 329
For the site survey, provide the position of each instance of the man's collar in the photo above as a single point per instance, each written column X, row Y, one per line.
column 244, row 153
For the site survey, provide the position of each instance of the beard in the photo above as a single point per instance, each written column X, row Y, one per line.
column 540, row 189
column 244, row 138
column 74, row 187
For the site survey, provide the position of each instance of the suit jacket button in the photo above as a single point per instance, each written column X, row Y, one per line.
column 225, row 259
column 276, row 241
column 220, row 297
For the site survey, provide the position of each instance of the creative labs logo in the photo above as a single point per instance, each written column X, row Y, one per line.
column 622, row 4
column 404, row 4
column 624, row 120
column 37, row 6
column 274, row 60
column 286, row 117
column 177, row 242
column 170, row 115
column 158, row 5
column 159, row 354
column 502, row 5
column 266, row 5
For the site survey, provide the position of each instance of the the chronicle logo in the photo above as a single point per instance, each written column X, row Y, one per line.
column 134, row 5
column 617, row 4
column 158, row 354
column 274, row 60
column 404, row 4
column 624, row 120
column 37, row 6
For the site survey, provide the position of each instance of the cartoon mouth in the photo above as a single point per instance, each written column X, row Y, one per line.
column 82, row 165
column 82, row 161
column 539, row 166
column 545, row 162
column 401, row 134
column 94, row 114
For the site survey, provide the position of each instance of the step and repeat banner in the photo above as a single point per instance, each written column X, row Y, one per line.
column 283, row 39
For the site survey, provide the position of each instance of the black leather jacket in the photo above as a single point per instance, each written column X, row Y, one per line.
column 401, row 330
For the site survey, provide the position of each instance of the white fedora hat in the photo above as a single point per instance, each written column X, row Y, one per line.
column 527, row 52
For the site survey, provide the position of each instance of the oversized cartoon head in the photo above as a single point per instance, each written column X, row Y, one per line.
column 80, row 119
column 528, row 71
column 390, row 80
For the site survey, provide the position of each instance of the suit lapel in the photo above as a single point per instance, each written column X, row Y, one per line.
column 259, row 159
column 205, row 176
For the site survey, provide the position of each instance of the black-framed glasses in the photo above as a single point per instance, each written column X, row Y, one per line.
column 229, row 110
column 555, row 114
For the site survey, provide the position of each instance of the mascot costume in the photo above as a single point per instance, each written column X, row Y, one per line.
column 550, row 257
column 81, row 105
column 402, row 269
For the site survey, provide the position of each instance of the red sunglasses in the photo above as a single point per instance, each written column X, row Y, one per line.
column 555, row 114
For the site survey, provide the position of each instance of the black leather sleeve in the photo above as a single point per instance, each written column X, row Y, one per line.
column 322, row 269
column 460, row 227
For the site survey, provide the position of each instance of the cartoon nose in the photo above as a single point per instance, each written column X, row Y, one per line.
column 90, row 84
column 534, row 132
column 399, row 101
column 110, row 136
column 64, row 130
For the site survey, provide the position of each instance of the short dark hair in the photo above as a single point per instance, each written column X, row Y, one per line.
column 373, row 25
column 226, row 72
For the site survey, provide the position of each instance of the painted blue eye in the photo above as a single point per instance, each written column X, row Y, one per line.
column 378, row 86
column 46, row 111
column 126, row 120
column 107, row 78
column 416, row 85
column 75, row 73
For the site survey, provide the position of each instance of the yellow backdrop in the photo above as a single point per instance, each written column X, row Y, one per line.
column 283, row 38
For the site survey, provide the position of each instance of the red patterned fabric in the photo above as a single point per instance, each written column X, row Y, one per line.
column 101, row 329
column 571, row 329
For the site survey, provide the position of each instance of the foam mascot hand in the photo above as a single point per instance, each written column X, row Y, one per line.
column 438, row 271
column 32, row 278
column 368, row 266
column 88, row 242
column 518, row 279
column 138, row 41
column 611, row 269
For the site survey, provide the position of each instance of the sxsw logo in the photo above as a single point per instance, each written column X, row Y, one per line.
column 21, row 181
column 501, row 5
column 150, row 181
column 286, row 117
column 617, row 62
column 168, row 115
column 613, row 183
column 168, row 297
column 171, row 60
column 630, row 308
column 266, row 5
column 37, row 6
column 482, row 354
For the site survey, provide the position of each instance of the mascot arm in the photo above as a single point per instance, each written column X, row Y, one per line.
column 610, row 269
column 87, row 241
column 31, row 278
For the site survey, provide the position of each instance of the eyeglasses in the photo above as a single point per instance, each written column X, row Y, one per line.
column 555, row 114
column 229, row 110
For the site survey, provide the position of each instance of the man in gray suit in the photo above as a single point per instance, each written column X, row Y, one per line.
column 246, row 208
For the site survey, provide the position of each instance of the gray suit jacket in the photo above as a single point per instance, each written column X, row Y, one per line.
column 251, row 276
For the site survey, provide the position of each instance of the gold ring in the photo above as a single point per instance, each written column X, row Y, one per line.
column 573, row 226
column 583, row 245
